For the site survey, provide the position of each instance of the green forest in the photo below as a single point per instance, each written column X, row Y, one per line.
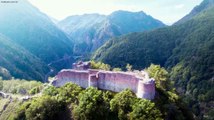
column 75, row 103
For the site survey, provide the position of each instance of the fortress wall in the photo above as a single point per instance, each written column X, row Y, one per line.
column 78, row 77
column 124, row 81
column 93, row 71
column 107, row 80
column 93, row 80
column 82, row 78
column 116, row 81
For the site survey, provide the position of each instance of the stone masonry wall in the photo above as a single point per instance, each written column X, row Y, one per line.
column 107, row 80
column 117, row 81
column 78, row 77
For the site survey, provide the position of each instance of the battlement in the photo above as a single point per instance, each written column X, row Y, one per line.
column 143, row 87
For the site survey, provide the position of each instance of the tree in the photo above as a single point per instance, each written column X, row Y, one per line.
column 122, row 103
column 160, row 75
column 69, row 93
column 20, row 112
column 117, row 69
column 91, row 105
column 44, row 108
column 34, row 90
column 129, row 67
column 100, row 65
column 145, row 110
column 51, row 91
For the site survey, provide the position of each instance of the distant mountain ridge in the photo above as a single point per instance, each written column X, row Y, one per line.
column 90, row 31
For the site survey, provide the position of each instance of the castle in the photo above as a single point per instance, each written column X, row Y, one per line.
column 81, row 75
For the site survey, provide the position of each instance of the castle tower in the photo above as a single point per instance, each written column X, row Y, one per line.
column 146, row 89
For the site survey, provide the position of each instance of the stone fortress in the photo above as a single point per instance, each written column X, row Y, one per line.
column 82, row 75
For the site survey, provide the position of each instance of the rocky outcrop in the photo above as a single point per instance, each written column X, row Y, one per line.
column 143, row 87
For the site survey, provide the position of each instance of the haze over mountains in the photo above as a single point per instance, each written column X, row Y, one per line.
column 32, row 32
column 19, row 62
column 90, row 31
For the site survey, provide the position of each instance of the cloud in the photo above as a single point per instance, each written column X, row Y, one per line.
column 179, row 6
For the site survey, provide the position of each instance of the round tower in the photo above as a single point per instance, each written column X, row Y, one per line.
column 146, row 89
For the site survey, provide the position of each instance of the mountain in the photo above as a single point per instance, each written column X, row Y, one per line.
column 17, row 62
column 206, row 4
column 90, row 31
column 82, row 29
column 186, row 49
column 26, row 26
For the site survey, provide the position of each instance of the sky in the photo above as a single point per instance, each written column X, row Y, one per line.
column 168, row 11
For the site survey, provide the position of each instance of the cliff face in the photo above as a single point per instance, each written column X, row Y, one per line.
column 107, row 80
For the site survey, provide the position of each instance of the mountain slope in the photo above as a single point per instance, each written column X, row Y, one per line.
column 82, row 30
column 27, row 26
column 139, row 49
column 206, row 4
column 193, row 66
column 19, row 62
column 92, row 30
column 186, row 50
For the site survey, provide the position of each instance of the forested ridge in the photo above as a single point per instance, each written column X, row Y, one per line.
column 185, row 49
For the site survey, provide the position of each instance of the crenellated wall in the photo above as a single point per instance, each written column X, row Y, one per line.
column 107, row 80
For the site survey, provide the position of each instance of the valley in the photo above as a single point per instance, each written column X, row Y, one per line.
column 36, row 48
